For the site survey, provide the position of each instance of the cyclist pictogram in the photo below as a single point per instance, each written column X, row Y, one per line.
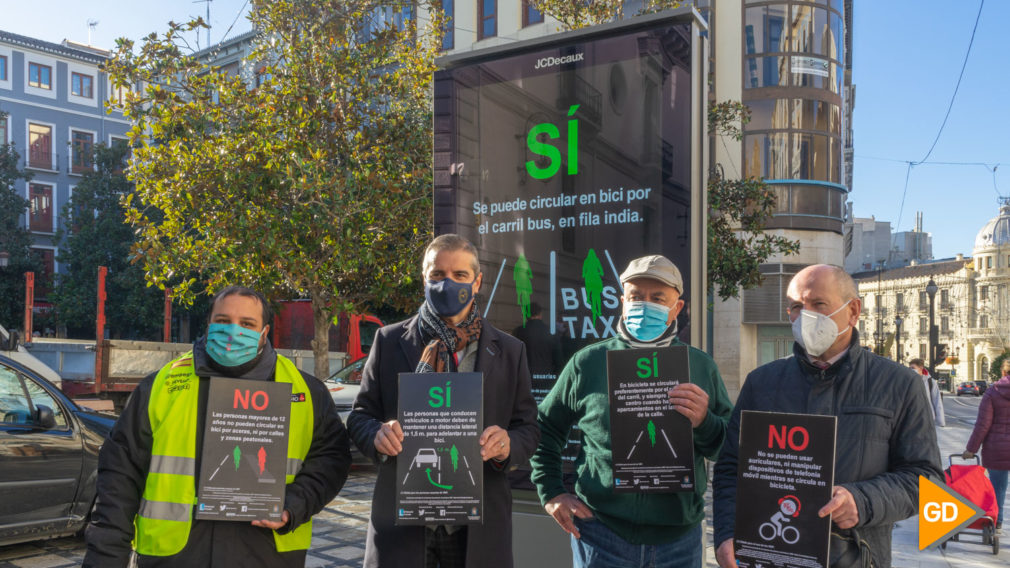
column 789, row 508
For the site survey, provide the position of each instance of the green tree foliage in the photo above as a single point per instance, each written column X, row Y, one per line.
column 95, row 233
column 574, row 15
column 738, row 209
column 15, row 239
column 997, row 363
column 315, row 183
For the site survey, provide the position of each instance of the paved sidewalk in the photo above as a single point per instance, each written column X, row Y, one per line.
column 339, row 535
column 969, row 552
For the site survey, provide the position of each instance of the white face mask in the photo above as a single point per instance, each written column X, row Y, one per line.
column 816, row 332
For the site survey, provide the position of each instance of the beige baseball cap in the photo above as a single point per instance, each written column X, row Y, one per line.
column 657, row 267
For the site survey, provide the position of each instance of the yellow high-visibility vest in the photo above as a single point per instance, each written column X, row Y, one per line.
column 166, row 510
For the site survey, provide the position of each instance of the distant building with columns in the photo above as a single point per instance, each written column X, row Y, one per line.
column 971, row 306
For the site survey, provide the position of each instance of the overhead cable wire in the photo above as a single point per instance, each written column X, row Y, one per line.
column 958, row 85
column 240, row 10
column 908, row 170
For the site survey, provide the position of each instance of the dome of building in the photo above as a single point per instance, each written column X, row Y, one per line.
column 996, row 232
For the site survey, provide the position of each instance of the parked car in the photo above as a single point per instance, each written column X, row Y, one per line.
column 344, row 386
column 49, row 452
column 968, row 387
column 982, row 386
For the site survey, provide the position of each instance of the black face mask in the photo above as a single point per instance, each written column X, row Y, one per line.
column 447, row 297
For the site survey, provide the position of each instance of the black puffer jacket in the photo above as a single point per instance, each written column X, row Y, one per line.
column 885, row 437
column 126, row 455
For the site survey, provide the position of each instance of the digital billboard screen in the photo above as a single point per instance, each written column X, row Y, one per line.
column 562, row 160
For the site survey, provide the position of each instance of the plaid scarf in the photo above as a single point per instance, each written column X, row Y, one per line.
column 444, row 341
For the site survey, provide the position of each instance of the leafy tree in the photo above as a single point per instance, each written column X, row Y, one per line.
column 574, row 15
column 315, row 183
column 997, row 364
column 738, row 209
column 15, row 239
column 96, row 234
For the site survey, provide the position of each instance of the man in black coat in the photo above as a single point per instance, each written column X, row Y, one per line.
column 128, row 458
column 447, row 335
column 543, row 350
column 885, row 438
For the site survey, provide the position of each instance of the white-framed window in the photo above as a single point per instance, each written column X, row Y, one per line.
column 6, row 60
column 116, row 95
column 40, row 75
column 41, row 144
column 82, row 85
column 82, row 88
column 82, row 151
column 114, row 140
column 5, row 131
column 41, row 207
column 43, row 281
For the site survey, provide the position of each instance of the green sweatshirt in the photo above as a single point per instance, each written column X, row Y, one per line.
column 580, row 397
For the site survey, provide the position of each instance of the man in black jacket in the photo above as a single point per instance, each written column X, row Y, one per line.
column 158, row 412
column 447, row 335
column 885, row 427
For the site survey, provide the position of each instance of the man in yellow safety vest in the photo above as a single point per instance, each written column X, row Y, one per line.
column 148, row 466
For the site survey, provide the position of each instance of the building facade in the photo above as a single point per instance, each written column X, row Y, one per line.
column 871, row 243
column 971, row 307
column 791, row 63
column 54, row 96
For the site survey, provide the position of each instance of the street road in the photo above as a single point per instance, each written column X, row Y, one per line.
column 964, row 408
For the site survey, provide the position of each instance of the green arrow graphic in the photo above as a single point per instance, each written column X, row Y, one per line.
column 432, row 481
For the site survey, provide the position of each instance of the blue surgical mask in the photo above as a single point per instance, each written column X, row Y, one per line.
column 645, row 321
column 231, row 345
column 447, row 297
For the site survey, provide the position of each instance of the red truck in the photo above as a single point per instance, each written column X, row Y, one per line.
column 111, row 368
column 293, row 329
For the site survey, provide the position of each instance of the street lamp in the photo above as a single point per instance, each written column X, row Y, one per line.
column 879, row 334
column 897, row 338
column 931, row 291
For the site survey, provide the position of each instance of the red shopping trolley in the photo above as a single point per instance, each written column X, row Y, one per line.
column 971, row 482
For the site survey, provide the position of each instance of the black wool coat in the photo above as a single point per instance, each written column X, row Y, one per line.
column 508, row 403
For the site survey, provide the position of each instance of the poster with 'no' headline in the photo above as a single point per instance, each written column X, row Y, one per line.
column 785, row 475
column 245, row 450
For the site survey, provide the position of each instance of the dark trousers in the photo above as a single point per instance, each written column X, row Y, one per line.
column 445, row 550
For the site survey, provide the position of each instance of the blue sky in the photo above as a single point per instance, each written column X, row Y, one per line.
column 56, row 20
column 906, row 59
column 907, row 55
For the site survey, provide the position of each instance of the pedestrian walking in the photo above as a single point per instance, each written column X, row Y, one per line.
column 992, row 433
column 932, row 391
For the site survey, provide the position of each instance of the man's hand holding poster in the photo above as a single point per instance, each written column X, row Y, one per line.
column 785, row 476
column 652, row 444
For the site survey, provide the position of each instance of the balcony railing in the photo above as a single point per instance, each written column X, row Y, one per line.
column 42, row 160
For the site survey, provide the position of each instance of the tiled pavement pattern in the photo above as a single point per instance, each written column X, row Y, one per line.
column 338, row 535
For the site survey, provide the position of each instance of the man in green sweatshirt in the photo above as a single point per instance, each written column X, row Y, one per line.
column 613, row 529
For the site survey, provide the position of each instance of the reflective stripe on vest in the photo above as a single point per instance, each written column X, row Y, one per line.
column 165, row 516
